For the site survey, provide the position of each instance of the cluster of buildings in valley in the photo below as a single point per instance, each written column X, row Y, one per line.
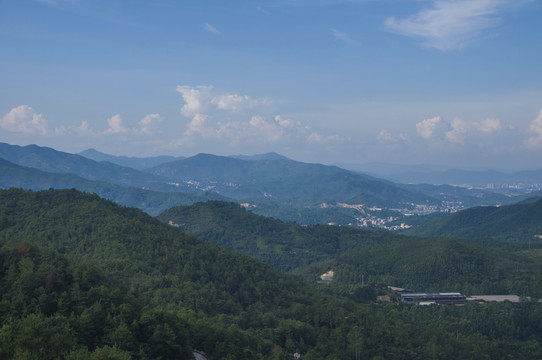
column 426, row 209
column 210, row 186
column 369, row 216
column 520, row 188
column 381, row 223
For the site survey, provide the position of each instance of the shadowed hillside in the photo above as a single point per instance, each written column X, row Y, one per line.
column 519, row 222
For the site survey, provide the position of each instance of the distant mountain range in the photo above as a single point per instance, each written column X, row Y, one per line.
column 286, row 181
column 142, row 163
column 496, row 180
column 138, row 163
column 53, row 161
column 267, row 156
column 152, row 202
column 270, row 184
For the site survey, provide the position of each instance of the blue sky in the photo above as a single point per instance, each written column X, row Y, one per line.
column 450, row 82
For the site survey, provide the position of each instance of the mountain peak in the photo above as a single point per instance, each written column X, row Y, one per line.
column 256, row 157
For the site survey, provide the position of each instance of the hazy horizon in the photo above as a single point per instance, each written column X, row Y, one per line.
column 452, row 83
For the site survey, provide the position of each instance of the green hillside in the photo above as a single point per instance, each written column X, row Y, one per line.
column 53, row 161
column 279, row 187
column 54, row 308
column 360, row 256
column 468, row 197
column 443, row 264
column 521, row 222
column 152, row 202
column 287, row 181
column 83, row 278
column 223, row 300
column 137, row 163
column 285, row 246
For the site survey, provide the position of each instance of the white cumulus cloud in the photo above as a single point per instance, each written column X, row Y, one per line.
column 83, row 129
column 24, row 119
column 384, row 136
column 458, row 132
column 535, row 128
column 425, row 128
column 315, row 138
column 234, row 102
column 271, row 130
column 198, row 125
column 450, row 24
column 202, row 99
column 236, row 119
column 287, row 123
column 195, row 98
column 148, row 122
column 489, row 125
column 115, row 126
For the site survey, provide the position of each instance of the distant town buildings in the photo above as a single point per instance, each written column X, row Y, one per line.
column 370, row 216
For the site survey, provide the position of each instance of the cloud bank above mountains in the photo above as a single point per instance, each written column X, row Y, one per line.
column 210, row 118
column 234, row 118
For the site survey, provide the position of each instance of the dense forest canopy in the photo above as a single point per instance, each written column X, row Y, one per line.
column 521, row 222
column 369, row 257
column 84, row 278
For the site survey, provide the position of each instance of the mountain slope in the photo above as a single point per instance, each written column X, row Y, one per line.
column 267, row 156
column 53, row 161
column 285, row 246
column 138, row 163
column 519, row 222
column 286, row 181
column 358, row 255
column 442, row 264
column 54, row 308
column 180, row 294
column 484, row 178
column 152, row 202
column 466, row 197
column 228, row 305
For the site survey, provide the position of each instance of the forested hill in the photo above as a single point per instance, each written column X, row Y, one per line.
column 224, row 303
column 518, row 222
column 152, row 202
column 285, row 246
column 82, row 278
column 287, row 181
column 434, row 264
column 138, row 163
column 363, row 256
column 53, row 161
column 283, row 188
